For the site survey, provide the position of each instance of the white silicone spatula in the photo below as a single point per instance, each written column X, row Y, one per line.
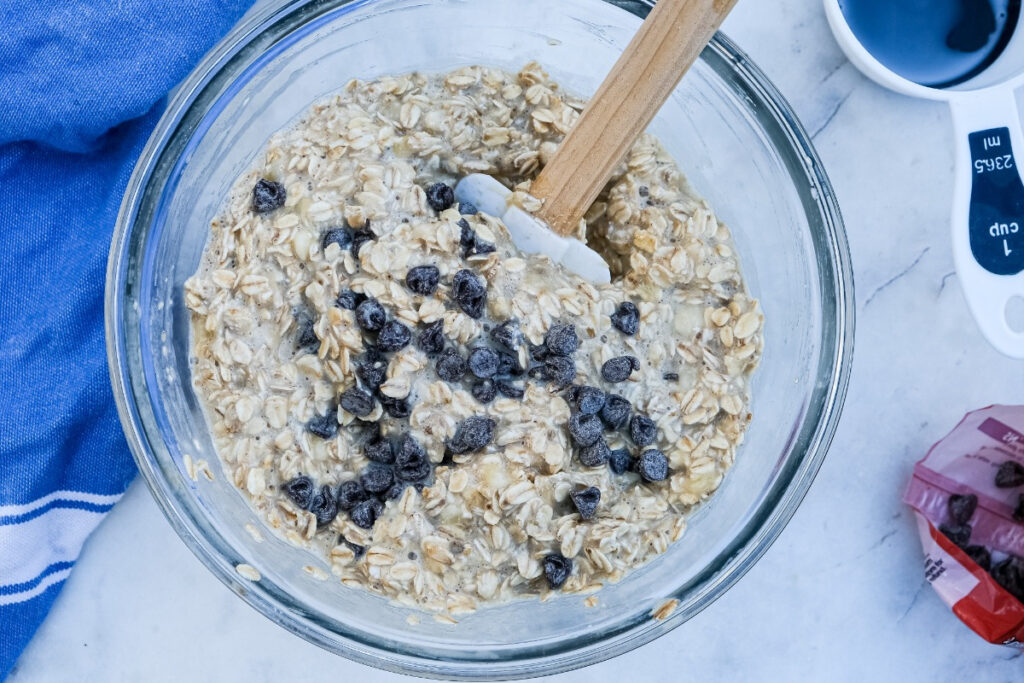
column 667, row 44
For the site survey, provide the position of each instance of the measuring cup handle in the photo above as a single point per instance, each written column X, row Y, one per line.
column 988, row 212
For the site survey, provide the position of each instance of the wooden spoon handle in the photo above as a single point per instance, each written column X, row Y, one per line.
column 667, row 44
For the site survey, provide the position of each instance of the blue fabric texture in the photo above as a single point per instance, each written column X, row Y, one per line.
column 82, row 83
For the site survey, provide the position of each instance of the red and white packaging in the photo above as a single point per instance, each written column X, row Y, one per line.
column 965, row 462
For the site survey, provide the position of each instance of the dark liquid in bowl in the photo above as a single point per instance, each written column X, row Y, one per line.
column 937, row 43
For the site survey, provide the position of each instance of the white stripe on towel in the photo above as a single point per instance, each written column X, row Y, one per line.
column 57, row 535
column 35, row 590
column 78, row 496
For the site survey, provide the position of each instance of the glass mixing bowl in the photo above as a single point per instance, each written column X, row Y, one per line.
column 734, row 136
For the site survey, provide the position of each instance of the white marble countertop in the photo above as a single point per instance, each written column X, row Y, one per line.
column 839, row 597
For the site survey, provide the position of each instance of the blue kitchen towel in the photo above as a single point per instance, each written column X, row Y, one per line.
column 82, row 83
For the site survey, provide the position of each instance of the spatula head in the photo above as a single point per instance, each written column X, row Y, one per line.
column 529, row 234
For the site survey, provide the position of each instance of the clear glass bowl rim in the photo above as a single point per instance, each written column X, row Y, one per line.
column 258, row 32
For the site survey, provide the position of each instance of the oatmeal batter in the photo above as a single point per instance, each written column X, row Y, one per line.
column 447, row 421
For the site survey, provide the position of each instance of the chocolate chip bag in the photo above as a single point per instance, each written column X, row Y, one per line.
column 972, row 544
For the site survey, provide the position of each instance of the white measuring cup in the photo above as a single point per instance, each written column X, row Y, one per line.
column 988, row 195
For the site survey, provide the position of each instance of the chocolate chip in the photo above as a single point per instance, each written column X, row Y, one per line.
column 642, row 430
column 483, row 363
column 361, row 237
column 1009, row 475
column 484, row 391
column 350, row 494
column 670, row 376
column 1018, row 512
column 562, row 340
column 961, row 507
column 510, row 389
column 1010, row 575
column 440, row 196
column 595, row 455
column 349, row 299
column 586, row 501
column 379, row 450
column 468, row 209
column 305, row 334
column 509, row 364
column 370, row 315
column 615, row 412
column 411, row 463
column 324, row 506
column 508, row 334
column 340, row 236
column 960, row 534
column 586, row 399
column 619, row 461
column 470, row 293
column 357, row 402
column 423, row 279
column 431, row 339
column 471, row 242
column 559, row 370
column 473, row 434
column 539, row 352
column 652, row 465
column 397, row 408
column 482, row 246
column 451, row 367
column 300, row 490
column 393, row 336
column 557, row 568
column 364, row 514
column 467, row 238
column 585, row 429
column 357, row 550
column 619, row 369
column 372, row 369
column 981, row 556
column 324, row 426
column 627, row 318
column 267, row 196
column 376, row 477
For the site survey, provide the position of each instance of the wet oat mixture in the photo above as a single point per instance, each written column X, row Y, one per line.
column 446, row 421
